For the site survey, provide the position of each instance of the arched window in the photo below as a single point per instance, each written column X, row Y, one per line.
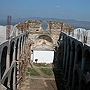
column 44, row 26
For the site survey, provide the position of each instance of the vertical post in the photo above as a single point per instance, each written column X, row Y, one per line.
column 69, row 74
column 0, row 72
column 82, row 70
column 64, row 58
column 8, row 27
column 14, row 79
column 69, row 30
column 50, row 25
column 66, row 67
column 73, row 81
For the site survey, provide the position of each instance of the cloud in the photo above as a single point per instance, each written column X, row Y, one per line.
column 62, row 12
column 57, row 6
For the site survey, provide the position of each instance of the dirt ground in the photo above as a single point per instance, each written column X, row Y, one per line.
column 41, row 82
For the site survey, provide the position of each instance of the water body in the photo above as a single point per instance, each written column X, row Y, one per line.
column 88, row 28
column 44, row 25
column 5, row 23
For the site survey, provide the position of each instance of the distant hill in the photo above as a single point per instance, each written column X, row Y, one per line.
column 71, row 22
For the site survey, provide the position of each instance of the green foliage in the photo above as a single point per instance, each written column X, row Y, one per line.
column 47, row 71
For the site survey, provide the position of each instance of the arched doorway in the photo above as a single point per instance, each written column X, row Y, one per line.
column 43, row 45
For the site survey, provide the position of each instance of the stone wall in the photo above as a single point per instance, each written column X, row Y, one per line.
column 53, row 30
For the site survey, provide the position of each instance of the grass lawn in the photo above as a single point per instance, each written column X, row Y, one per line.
column 41, row 64
column 22, row 85
column 47, row 71
column 33, row 72
column 27, row 73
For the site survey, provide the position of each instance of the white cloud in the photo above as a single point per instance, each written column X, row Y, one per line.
column 60, row 12
column 57, row 6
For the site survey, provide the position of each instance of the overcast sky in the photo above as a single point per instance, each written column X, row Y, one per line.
column 61, row 9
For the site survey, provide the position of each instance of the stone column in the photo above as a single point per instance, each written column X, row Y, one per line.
column 8, row 84
column 14, row 53
column 14, row 78
column 8, row 61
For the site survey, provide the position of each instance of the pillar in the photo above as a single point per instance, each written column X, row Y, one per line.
column 82, row 70
column 83, row 64
column 66, row 66
column 0, row 72
column 73, row 81
column 64, row 57
column 71, row 57
column 14, row 79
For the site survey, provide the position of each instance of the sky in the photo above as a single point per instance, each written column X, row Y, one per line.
column 61, row 9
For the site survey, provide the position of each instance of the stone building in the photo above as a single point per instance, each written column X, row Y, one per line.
column 47, row 37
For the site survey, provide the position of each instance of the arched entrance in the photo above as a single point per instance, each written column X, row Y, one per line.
column 43, row 50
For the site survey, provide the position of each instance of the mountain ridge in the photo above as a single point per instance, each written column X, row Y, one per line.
column 71, row 22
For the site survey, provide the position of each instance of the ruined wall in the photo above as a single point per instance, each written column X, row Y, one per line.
column 53, row 30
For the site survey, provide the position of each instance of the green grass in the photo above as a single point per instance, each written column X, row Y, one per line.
column 22, row 85
column 47, row 71
column 32, row 80
column 40, row 64
column 27, row 73
column 33, row 72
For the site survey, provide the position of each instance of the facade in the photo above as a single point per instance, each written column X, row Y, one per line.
column 47, row 37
